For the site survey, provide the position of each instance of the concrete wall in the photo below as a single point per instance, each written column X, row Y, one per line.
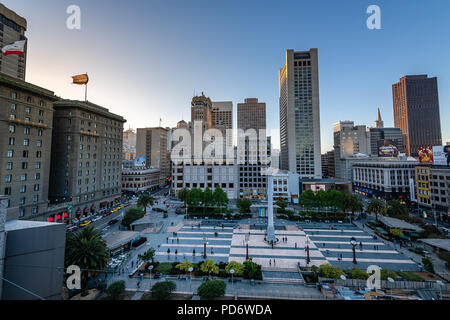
column 34, row 259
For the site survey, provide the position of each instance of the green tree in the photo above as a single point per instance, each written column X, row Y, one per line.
column 328, row 271
column 335, row 199
column 250, row 268
column 244, row 205
column 182, row 195
column 220, row 197
column 428, row 264
column 144, row 201
column 209, row 267
column 207, row 197
column 396, row 232
column 376, row 206
column 281, row 204
column 163, row 289
column 115, row 289
column 132, row 215
column 307, row 199
column 396, row 209
column 353, row 203
column 148, row 255
column 184, row 266
column 236, row 266
column 86, row 249
column 194, row 197
column 211, row 289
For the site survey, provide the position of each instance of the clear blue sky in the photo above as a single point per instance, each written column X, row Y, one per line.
column 146, row 58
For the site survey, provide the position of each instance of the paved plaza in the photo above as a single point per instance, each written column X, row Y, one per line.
column 328, row 243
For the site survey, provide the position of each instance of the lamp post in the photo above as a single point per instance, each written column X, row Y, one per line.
column 151, row 267
column 440, row 283
column 308, row 260
column 392, row 282
column 190, row 278
column 247, row 237
column 353, row 243
column 204, row 245
column 232, row 282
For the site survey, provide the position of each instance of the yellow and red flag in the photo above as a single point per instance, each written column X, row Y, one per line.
column 80, row 79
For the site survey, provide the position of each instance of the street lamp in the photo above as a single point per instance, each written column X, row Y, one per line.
column 392, row 282
column 247, row 237
column 353, row 243
column 204, row 245
column 308, row 260
column 190, row 278
column 232, row 286
column 440, row 283
column 151, row 267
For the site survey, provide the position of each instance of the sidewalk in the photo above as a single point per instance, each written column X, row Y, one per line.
column 439, row 265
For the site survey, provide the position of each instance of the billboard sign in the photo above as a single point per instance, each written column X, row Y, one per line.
column 387, row 148
column 317, row 187
column 140, row 162
column 426, row 155
column 441, row 155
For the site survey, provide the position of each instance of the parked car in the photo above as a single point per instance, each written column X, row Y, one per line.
column 113, row 221
column 85, row 223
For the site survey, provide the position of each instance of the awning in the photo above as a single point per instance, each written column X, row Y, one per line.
column 402, row 236
column 382, row 231
column 374, row 222
column 413, row 234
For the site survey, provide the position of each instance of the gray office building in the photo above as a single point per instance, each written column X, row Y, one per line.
column 300, row 114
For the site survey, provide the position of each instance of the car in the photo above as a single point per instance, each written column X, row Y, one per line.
column 72, row 228
column 160, row 210
column 113, row 221
column 86, row 223
column 179, row 210
column 96, row 218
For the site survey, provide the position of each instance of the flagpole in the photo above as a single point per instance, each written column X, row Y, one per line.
column 85, row 90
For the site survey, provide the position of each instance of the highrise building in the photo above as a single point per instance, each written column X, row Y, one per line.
column 86, row 166
column 12, row 29
column 222, row 114
column 152, row 143
column 416, row 112
column 349, row 140
column 378, row 135
column 253, row 155
column 300, row 114
column 328, row 164
column 129, row 144
column 26, row 138
column 201, row 110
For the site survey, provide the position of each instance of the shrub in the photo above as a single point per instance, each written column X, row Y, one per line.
column 236, row 266
column 409, row 276
column 211, row 289
column 428, row 264
column 115, row 289
column 386, row 273
column 164, row 267
column 356, row 273
column 328, row 271
column 163, row 289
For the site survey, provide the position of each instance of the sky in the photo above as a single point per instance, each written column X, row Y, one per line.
column 146, row 59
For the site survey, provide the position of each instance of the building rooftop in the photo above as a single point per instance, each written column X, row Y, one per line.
column 119, row 238
column 439, row 243
column 26, row 224
column 326, row 180
column 88, row 106
column 17, row 83
column 399, row 224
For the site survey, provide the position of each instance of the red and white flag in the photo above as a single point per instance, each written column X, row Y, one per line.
column 17, row 47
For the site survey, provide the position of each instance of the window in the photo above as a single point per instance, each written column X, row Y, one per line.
column 37, row 176
column 13, row 106
column 39, row 143
column 38, row 165
column 14, row 95
column 26, row 142
column 7, row 191
column 24, row 165
column 26, row 131
column 22, row 201
column 23, row 177
column 42, row 103
column 35, row 198
column 10, row 153
column 27, row 110
column 23, row 189
column 36, row 187
column 40, row 132
column 9, row 166
column 12, row 129
column 35, row 210
column 25, row 153
column 38, row 154
column 11, row 141
column 8, row 178
column 12, row 116
column 22, row 211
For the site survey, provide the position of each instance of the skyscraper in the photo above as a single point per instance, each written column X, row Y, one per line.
column 416, row 112
column 222, row 114
column 252, row 155
column 300, row 114
column 12, row 29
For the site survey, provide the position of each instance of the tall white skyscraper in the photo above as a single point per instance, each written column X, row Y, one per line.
column 300, row 115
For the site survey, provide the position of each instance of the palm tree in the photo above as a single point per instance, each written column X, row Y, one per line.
column 353, row 203
column 376, row 206
column 87, row 250
column 145, row 200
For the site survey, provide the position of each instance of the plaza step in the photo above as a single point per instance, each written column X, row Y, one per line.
column 284, row 280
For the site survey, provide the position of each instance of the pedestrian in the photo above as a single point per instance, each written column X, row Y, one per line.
column 374, row 247
column 274, row 262
column 132, row 263
column 270, row 262
column 296, row 245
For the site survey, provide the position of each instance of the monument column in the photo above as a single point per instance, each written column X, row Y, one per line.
column 270, row 236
